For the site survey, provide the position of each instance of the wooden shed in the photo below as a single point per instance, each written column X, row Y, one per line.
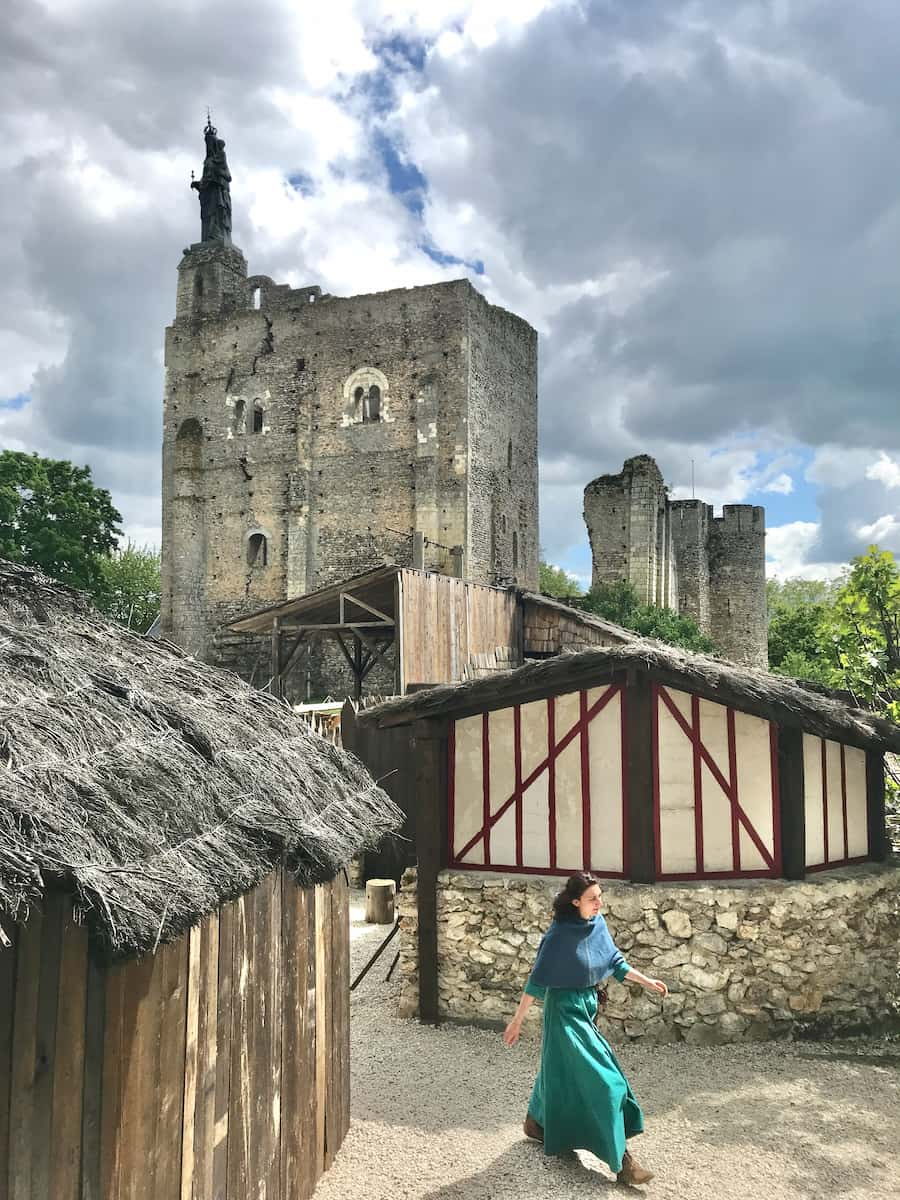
column 174, row 992
column 639, row 762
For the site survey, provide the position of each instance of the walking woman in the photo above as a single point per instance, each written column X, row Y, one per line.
column 581, row 1098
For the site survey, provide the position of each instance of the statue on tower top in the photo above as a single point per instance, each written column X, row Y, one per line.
column 214, row 189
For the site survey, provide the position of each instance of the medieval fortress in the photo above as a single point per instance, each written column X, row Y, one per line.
column 308, row 438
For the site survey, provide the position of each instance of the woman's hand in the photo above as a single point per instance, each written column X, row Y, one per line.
column 657, row 985
column 511, row 1032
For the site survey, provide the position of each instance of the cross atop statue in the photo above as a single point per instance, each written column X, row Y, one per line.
column 214, row 188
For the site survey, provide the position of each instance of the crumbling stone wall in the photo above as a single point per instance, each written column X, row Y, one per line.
column 679, row 556
column 274, row 481
column 744, row 960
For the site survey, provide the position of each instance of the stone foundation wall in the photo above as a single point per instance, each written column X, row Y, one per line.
column 744, row 960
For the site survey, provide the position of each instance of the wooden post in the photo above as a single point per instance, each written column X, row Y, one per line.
column 430, row 749
column 791, row 803
column 638, row 768
column 275, row 685
column 878, row 839
column 380, row 901
column 357, row 666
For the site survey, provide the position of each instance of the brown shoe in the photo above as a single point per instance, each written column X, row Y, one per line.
column 632, row 1172
column 532, row 1129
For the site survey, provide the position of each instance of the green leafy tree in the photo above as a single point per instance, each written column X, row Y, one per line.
column 618, row 602
column 861, row 632
column 554, row 581
column 798, row 609
column 53, row 517
column 131, row 591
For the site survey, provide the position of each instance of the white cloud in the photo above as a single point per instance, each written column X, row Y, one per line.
column 790, row 552
column 886, row 470
column 884, row 529
column 782, row 484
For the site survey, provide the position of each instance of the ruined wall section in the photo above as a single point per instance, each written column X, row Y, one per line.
column 679, row 556
column 737, row 584
column 626, row 517
column 690, row 520
column 502, row 542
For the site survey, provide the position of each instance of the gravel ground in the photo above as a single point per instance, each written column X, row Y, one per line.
column 437, row 1113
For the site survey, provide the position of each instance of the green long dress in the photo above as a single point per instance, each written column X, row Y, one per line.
column 581, row 1096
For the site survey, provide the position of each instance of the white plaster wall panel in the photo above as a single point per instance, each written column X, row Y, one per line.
column 752, row 736
column 605, row 761
column 535, row 802
column 835, row 802
column 569, row 807
column 502, row 734
column 715, row 805
column 468, row 789
column 812, row 800
column 716, row 809
column 857, row 809
column 676, row 788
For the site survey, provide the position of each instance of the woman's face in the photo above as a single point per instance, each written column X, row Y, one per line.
column 588, row 903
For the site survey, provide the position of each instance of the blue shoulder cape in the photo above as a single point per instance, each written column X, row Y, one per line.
column 575, row 954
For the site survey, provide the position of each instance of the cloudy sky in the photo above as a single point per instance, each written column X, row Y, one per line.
column 696, row 203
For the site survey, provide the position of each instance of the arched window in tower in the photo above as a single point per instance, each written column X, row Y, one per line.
column 257, row 550
column 359, row 400
column 372, row 404
column 189, row 445
column 257, row 297
column 515, row 550
column 258, row 415
column 239, row 423
column 509, row 455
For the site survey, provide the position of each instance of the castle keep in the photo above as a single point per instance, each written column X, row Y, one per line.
column 678, row 555
column 309, row 437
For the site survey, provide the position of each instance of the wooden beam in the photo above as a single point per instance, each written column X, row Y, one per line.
column 343, row 646
column 430, row 753
column 399, row 673
column 329, row 626
column 638, row 774
column 375, row 612
column 791, row 802
column 878, row 839
column 293, row 656
column 275, row 687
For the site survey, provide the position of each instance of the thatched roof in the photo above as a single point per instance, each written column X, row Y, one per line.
column 153, row 786
column 758, row 692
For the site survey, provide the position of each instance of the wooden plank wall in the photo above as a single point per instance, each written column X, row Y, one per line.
column 548, row 630
column 447, row 621
column 197, row 1073
column 388, row 754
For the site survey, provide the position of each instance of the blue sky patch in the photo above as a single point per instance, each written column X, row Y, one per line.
column 446, row 260
column 405, row 179
column 14, row 403
column 302, row 183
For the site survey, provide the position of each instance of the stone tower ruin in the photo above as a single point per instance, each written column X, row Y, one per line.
column 679, row 556
column 310, row 437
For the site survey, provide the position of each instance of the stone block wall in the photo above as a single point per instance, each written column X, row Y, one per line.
column 265, row 443
column 738, row 621
column 744, row 960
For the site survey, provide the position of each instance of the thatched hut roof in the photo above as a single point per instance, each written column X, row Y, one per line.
column 153, row 786
column 771, row 696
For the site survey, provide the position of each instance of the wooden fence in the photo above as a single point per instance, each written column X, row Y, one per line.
column 215, row 1069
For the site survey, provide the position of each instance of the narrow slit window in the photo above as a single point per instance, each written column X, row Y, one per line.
column 509, row 455
column 372, row 404
column 515, row 549
column 257, row 297
column 240, row 417
column 257, row 419
column 257, row 550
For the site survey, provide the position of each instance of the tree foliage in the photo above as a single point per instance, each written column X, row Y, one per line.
column 53, row 517
column 844, row 634
column 554, row 581
column 618, row 602
column 131, row 591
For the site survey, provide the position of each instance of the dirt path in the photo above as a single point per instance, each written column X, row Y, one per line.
column 437, row 1114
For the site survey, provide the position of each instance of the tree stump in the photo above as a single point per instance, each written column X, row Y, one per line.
column 380, row 901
